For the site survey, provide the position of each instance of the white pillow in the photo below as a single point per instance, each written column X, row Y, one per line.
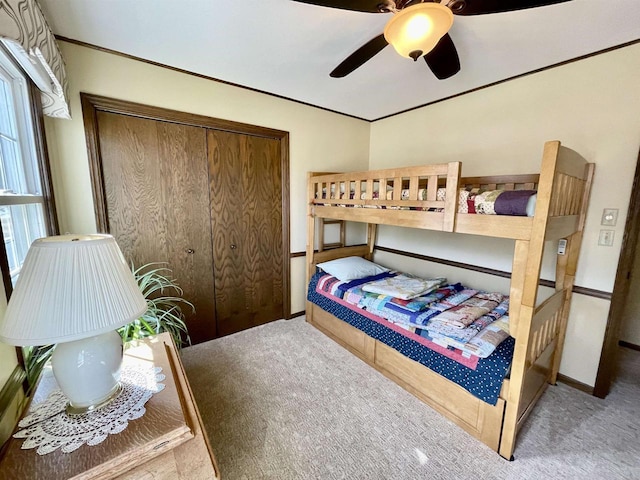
column 351, row 268
column 531, row 205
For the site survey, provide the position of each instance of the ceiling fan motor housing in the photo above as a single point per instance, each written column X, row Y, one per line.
column 457, row 6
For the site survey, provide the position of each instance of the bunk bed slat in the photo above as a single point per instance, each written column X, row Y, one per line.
column 397, row 188
column 557, row 195
column 414, row 187
column 369, row 191
column 576, row 198
column 432, row 188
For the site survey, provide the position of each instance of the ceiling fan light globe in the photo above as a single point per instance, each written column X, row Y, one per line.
column 418, row 28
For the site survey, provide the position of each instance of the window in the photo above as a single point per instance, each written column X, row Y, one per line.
column 22, row 204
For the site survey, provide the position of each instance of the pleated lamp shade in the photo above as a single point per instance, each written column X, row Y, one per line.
column 71, row 287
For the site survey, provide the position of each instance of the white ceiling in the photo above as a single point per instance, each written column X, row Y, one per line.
column 288, row 49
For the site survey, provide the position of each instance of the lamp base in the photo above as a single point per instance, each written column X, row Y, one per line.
column 88, row 371
column 74, row 410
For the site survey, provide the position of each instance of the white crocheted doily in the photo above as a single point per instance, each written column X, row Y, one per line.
column 48, row 427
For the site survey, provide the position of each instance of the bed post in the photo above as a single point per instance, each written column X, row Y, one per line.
column 520, row 319
column 451, row 201
column 527, row 259
column 372, row 231
column 311, row 227
column 311, row 234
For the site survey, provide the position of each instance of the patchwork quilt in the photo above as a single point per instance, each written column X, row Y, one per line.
column 481, row 376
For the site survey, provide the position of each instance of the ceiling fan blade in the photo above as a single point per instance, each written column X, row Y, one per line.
column 481, row 7
column 443, row 59
column 370, row 6
column 360, row 56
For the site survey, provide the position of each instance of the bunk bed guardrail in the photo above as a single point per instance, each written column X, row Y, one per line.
column 383, row 190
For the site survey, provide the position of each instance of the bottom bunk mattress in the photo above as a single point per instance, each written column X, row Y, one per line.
column 482, row 377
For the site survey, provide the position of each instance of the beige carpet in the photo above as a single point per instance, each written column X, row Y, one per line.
column 283, row 401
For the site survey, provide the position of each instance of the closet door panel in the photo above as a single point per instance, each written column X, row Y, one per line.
column 225, row 170
column 185, row 195
column 246, row 216
column 264, row 221
column 129, row 152
column 156, row 186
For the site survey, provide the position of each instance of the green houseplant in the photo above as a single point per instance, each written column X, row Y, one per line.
column 164, row 314
column 164, row 306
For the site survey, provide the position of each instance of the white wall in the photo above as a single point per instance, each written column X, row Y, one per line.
column 319, row 140
column 592, row 106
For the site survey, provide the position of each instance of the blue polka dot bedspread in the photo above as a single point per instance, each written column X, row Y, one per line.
column 482, row 378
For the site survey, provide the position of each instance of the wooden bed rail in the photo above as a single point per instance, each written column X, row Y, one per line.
column 334, row 253
column 502, row 182
column 571, row 187
column 571, row 175
column 545, row 326
column 545, row 334
column 395, row 188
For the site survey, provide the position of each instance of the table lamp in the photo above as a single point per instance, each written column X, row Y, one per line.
column 75, row 291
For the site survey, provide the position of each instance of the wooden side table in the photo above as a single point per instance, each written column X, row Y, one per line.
column 167, row 442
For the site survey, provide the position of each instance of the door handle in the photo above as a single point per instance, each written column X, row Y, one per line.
column 190, row 251
column 233, row 246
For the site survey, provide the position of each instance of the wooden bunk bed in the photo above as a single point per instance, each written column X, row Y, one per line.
column 562, row 185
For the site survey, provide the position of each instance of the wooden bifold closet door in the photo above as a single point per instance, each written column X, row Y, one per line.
column 156, row 184
column 207, row 202
column 246, row 220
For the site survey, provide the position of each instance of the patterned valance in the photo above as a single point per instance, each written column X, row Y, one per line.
column 24, row 30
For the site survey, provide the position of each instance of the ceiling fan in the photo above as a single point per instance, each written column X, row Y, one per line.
column 418, row 28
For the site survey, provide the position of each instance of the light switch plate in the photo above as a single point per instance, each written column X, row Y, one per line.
column 609, row 217
column 605, row 239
